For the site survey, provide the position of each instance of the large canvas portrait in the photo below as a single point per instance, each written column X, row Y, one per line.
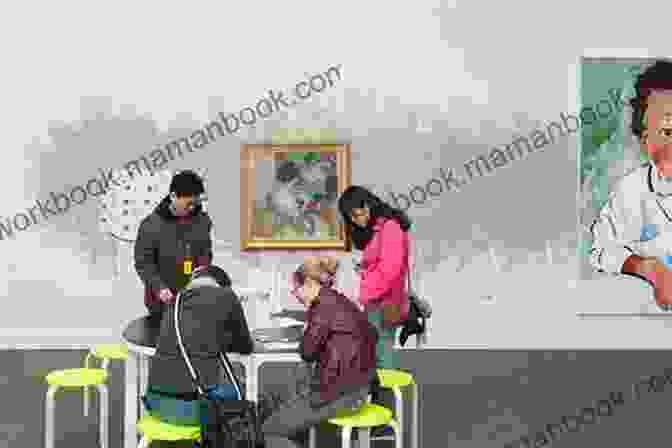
column 625, row 169
column 289, row 196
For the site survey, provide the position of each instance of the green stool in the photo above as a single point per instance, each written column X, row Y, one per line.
column 72, row 379
column 154, row 430
column 106, row 352
column 397, row 380
column 363, row 419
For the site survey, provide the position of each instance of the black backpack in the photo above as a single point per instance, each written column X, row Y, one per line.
column 226, row 423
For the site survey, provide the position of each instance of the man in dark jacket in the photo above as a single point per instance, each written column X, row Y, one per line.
column 341, row 341
column 172, row 241
column 212, row 321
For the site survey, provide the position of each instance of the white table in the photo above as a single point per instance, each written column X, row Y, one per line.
column 137, row 373
column 137, row 370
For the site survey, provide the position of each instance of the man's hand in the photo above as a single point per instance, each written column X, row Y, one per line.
column 166, row 296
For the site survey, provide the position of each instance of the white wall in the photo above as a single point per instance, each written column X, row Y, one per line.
column 127, row 76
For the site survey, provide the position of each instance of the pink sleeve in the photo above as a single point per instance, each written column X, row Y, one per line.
column 377, row 279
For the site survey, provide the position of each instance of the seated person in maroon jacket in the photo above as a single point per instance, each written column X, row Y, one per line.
column 341, row 342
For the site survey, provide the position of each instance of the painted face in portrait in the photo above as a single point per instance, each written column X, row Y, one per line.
column 657, row 136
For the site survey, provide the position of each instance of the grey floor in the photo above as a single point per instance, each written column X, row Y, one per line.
column 469, row 399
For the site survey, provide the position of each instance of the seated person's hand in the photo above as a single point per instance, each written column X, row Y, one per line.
column 166, row 296
column 308, row 293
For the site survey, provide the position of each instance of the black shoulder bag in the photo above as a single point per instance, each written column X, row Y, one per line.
column 226, row 423
column 418, row 312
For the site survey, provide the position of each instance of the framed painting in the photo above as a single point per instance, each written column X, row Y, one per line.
column 289, row 195
column 613, row 160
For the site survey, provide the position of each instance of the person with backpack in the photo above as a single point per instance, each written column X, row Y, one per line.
column 212, row 321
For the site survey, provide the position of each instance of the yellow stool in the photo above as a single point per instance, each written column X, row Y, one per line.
column 396, row 380
column 76, row 378
column 106, row 352
column 363, row 419
column 153, row 429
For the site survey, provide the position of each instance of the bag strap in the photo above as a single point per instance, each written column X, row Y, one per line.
column 408, row 271
column 223, row 359
column 408, row 281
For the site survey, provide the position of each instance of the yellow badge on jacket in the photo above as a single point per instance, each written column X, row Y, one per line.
column 188, row 265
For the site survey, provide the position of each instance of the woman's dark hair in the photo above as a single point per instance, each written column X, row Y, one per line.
column 187, row 183
column 359, row 197
column 216, row 273
column 656, row 77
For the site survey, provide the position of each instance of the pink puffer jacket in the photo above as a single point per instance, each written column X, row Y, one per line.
column 385, row 264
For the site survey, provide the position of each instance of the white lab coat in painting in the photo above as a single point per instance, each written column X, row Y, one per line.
column 637, row 219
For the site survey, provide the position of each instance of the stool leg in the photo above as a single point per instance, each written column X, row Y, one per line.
column 312, row 437
column 104, row 415
column 49, row 408
column 399, row 409
column 364, row 435
column 252, row 379
column 144, row 378
column 416, row 417
column 398, row 434
column 346, row 436
column 87, row 364
column 131, row 402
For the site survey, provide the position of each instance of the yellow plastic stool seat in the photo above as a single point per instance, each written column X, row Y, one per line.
column 77, row 377
column 367, row 416
column 154, row 429
column 393, row 379
column 111, row 351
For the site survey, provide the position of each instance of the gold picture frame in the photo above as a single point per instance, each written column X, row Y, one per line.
column 288, row 196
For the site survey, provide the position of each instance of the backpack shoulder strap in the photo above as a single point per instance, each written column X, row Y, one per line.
column 221, row 356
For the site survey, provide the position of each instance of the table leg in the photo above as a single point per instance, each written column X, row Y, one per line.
column 364, row 436
column 144, row 378
column 131, row 402
column 252, row 379
column 415, row 428
column 421, row 340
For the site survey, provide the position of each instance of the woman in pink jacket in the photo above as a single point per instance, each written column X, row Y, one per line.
column 381, row 232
